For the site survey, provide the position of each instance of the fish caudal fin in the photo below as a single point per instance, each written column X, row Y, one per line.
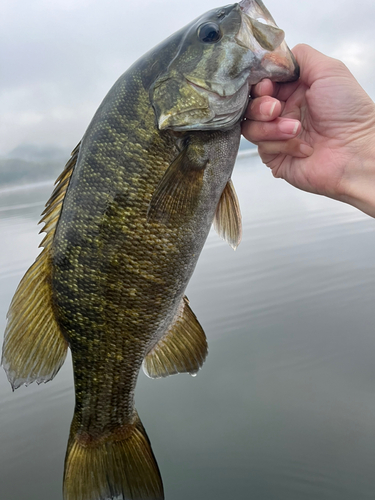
column 120, row 466
column 34, row 348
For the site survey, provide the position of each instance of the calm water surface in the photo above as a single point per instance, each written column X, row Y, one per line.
column 284, row 407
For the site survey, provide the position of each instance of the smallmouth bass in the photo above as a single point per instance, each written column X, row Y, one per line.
column 124, row 228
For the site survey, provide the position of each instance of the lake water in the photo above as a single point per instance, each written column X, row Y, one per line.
column 283, row 408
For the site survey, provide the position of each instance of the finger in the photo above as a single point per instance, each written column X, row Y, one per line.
column 315, row 65
column 281, row 91
column 277, row 130
column 263, row 109
column 293, row 147
column 265, row 87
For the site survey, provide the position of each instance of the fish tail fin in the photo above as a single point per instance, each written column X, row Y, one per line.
column 118, row 466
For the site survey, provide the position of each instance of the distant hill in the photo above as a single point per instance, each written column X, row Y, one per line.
column 16, row 171
column 30, row 163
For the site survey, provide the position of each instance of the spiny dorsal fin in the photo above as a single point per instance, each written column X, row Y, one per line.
column 52, row 211
column 179, row 188
column 183, row 348
column 227, row 221
column 34, row 348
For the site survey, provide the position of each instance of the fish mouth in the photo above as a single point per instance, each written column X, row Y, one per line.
column 218, row 89
column 226, row 110
column 222, row 112
column 260, row 34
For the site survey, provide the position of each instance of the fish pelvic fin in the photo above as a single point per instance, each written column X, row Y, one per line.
column 34, row 348
column 120, row 465
column 183, row 349
column 228, row 220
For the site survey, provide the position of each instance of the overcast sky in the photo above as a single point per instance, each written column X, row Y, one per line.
column 59, row 58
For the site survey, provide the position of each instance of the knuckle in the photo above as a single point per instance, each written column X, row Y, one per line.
column 340, row 66
column 263, row 130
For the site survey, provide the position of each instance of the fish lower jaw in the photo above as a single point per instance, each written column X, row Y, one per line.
column 217, row 122
column 225, row 121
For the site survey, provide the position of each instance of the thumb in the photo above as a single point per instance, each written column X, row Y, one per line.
column 315, row 66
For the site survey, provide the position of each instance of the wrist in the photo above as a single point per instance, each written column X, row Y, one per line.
column 358, row 182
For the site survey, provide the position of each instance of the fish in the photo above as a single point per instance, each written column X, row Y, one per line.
column 124, row 227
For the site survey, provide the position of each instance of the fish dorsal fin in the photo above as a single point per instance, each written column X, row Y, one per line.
column 52, row 211
column 180, row 186
column 34, row 348
column 182, row 349
column 227, row 221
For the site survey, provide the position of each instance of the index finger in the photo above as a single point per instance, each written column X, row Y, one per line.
column 265, row 87
column 281, row 91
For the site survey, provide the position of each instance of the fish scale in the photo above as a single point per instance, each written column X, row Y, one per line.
column 125, row 226
column 135, row 267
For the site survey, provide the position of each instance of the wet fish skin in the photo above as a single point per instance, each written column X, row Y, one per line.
column 118, row 278
column 125, row 227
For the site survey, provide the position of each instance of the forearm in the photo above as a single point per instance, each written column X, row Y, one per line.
column 358, row 183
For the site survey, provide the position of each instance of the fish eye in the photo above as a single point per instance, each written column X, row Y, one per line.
column 209, row 33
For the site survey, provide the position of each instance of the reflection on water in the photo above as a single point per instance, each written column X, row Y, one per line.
column 284, row 407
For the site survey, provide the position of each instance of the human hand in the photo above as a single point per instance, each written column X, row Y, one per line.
column 317, row 133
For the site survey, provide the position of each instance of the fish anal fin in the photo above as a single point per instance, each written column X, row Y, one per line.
column 179, row 188
column 119, row 465
column 183, row 349
column 34, row 348
column 228, row 221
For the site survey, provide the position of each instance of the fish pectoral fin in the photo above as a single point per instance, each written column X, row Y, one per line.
column 228, row 220
column 34, row 348
column 179, row 189
column 183, row 349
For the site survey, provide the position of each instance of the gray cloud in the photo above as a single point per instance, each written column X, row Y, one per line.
column 60, row 57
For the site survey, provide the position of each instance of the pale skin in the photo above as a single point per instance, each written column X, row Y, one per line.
column 317, row 133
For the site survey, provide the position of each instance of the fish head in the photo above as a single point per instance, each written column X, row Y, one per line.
column 220, row 55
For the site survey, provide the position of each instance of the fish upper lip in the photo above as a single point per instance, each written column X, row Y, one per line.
column 217, row 93
column 204, row 88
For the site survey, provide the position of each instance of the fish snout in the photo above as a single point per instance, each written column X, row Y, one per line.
column 260, row 34
column 281, row 65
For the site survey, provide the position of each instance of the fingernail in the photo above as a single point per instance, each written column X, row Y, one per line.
column 306, row 149
column 267, row 108
column 289, row 127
